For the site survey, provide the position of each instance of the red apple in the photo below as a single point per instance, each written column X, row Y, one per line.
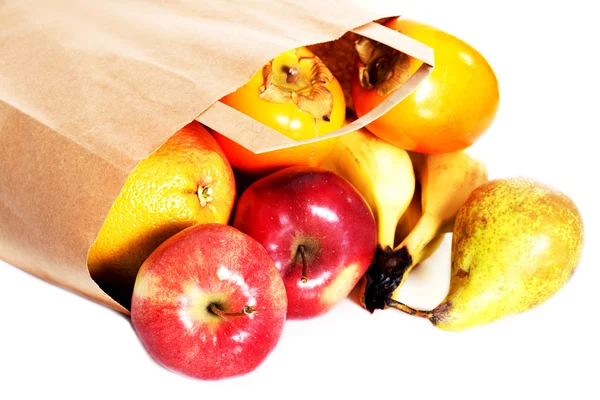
column 209, row 303
column 317, row 228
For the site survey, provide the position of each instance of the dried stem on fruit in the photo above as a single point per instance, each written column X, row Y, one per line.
column 383, row 68
column 215, row 309
column 409, row 310
column 292, row 77
column 384, row 275
column 205, row 193
column 304, row 279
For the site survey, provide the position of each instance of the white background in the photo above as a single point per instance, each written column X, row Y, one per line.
column 54, row 344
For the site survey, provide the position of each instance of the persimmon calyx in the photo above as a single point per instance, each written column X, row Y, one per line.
column 383, row 68
column 301, row 80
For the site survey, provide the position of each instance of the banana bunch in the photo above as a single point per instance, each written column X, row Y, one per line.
column 414, row 197
column 446, row 181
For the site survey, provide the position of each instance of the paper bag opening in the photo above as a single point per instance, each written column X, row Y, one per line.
column 117, row 278
column 259, row 138
column 87, row 90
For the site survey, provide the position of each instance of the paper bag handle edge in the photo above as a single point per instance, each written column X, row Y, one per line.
column 259, row 138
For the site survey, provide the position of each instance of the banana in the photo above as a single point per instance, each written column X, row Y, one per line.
column 381, row 172
column 446, row 181
column 408, row 221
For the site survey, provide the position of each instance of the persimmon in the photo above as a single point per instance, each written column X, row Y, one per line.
column 449, row 110
column 296, row 95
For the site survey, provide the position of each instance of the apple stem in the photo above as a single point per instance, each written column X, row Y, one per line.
column 304, row 279
column 247, row 310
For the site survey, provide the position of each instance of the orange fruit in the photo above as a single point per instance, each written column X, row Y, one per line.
column 186, row 181
column 294, row 94
column 449, row 110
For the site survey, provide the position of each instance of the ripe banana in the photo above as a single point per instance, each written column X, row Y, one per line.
column 446, row 180
column 381, row 172
column 406, row 224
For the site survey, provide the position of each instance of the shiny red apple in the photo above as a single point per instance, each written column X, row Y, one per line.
column 209, row 303
column 317, row 228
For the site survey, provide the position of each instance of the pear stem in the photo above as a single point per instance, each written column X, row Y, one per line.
column 409, row 310
column 301, row 250
column 247, row 310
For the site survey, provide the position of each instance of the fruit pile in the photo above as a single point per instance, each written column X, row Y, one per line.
column 213, row 247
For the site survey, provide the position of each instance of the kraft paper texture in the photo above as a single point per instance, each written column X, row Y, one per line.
column 88, row 89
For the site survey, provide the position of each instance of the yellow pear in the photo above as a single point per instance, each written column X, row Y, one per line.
column 516, row 242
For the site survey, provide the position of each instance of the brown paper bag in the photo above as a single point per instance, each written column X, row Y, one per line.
column 87, row 89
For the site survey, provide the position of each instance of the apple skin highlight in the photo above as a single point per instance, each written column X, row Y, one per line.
column 203, row 265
